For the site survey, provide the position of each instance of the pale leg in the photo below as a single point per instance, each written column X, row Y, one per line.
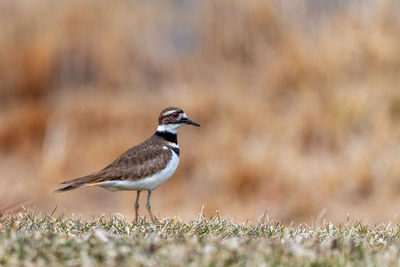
column 137, row 206
column 149, row 207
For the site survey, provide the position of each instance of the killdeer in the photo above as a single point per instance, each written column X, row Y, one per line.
column 143, row 167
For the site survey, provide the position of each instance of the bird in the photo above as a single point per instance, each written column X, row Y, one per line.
column 143, row 167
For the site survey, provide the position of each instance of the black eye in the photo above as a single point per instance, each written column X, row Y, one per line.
column 175, row 115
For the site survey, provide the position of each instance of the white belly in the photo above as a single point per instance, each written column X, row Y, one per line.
column 147, row 183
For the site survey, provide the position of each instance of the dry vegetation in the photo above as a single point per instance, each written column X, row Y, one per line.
column 41, row 240
column 299, row 104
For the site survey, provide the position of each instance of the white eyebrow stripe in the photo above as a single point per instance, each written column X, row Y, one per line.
column 169, row 112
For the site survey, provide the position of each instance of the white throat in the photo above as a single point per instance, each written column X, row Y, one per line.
column 172, row 128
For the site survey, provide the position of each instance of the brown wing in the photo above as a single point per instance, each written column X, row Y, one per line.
column 138, row 162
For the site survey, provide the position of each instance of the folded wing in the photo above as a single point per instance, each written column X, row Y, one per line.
column 137, row 163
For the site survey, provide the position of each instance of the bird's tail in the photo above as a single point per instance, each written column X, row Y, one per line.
column 85, row 181
column 70, row 187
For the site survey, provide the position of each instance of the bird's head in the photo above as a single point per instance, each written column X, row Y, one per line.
column 172, row 118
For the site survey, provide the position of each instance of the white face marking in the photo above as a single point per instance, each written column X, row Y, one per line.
column 148, row 183
column 182, row 116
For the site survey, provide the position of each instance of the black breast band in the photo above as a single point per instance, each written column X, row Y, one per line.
column 176, row 150
column 167, row 136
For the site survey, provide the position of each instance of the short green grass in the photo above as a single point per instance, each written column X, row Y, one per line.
column 37, row 239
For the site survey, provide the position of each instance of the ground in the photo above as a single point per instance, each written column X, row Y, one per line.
column 33, row 239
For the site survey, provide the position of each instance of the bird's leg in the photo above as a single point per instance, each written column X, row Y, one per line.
column 137, row 206
column 149, row 207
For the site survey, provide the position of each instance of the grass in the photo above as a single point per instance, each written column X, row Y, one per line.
column 46, row 240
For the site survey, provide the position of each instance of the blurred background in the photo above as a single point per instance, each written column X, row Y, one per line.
column 298, row 101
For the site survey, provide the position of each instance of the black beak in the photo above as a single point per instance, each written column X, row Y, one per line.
column 187, row 121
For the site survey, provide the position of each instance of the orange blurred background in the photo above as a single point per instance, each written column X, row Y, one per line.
column 298, row 101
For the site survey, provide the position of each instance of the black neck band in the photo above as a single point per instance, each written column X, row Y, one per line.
column 167, row 136
column 176, row 150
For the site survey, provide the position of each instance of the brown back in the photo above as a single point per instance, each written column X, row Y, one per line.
column 138, row 162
